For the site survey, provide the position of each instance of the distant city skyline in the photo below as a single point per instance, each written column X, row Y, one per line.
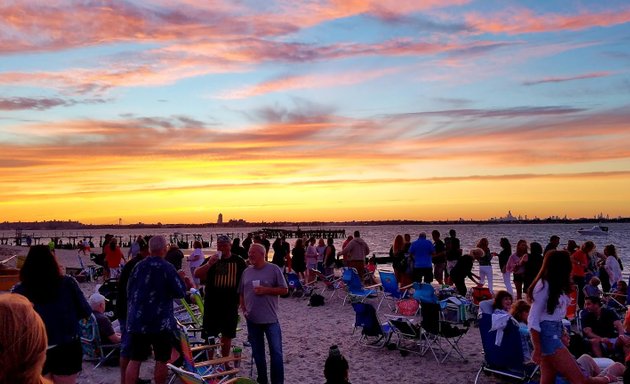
column 323, row 110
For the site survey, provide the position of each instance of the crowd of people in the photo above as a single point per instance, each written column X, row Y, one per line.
column 238, row 277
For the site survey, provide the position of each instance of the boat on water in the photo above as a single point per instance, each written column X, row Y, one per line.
column 597, row 230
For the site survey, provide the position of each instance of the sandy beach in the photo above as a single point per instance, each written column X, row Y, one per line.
column 308, row 332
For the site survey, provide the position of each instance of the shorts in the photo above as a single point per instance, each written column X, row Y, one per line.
column 426, row 273
column 222, row 322
column 162, row 343
column 518, row 277
column 550, row 334
column 64, row 359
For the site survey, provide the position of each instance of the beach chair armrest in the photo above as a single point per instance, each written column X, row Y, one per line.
column 217, row 361
column 221, row 374
column 374, row 286
column 204, row 347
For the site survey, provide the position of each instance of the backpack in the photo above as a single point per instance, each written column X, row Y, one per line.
column 316, row 300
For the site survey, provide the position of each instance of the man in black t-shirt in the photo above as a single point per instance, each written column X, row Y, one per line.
column 439, row 259
column 222, row 276
column 603, row 328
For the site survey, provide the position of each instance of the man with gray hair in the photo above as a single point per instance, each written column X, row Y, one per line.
column 422, row 252
column 259, row 289
column 153, row 285
column 105, row 329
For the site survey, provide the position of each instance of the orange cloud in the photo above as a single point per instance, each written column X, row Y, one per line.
column 519, row 21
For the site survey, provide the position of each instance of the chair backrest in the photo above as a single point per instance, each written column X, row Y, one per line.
column 365, row 317
column 507, row 356
column 90, row 338
column 196, row 296
column 185, row 376
column 390, row 284
column 293, row 281
column 430, row 317
column 404, row 327
column 424, row 293
column 572, row 307
column 352, row 280
column 187, row 355
column 480, row 294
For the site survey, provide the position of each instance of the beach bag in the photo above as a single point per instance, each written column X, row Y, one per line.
column 316, row 300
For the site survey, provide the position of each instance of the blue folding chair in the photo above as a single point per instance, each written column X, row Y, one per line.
column 355, row 288
column 296, row 288
column 391, row 290
column 425, row 293
column 373, row 332
column 504, row 360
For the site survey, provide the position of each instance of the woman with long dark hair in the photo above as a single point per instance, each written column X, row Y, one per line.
column 504, row 256
column 549, row 294
column 61, row 304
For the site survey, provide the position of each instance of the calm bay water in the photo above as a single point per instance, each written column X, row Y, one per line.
column 379, row 238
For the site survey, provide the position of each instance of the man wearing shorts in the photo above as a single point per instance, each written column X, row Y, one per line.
column 153, row 285
column 222, row 275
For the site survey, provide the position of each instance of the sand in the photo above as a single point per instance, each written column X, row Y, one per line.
column 308, row 332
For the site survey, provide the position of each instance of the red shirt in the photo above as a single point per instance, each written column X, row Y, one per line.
column 580, row 262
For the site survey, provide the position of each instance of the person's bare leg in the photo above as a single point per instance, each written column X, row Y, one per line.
column 160, row 372
column 226, row 346
column 123, row 369
column 133, row 371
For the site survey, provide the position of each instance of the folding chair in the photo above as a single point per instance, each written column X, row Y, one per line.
column 504, row 360
column 373, row 332
column 440, row 336
column 408, row 334
column 211, row 370
column 93, row 350
column 355, row 289
column 391, row 290
column 331, row 283
column 296, row 288
column 572, row 307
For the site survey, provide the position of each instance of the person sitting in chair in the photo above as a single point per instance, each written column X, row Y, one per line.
column 603, row 328
column 106, row 331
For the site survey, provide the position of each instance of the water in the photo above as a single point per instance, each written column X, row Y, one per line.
column 379, row 238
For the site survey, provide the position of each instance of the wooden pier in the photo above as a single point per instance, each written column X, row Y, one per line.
column 316, row 233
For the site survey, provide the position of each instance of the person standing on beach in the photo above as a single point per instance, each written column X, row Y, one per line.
column 422, row 252
column 504, row 257
column 153, row 285
column 453, row 250
column 222, row 275
column 485, row 263
column 439, row 260
column 259, row 289
column 554, row 241
column 121, row 305
column 355, row 253
column 516, row 265
column 61, row 304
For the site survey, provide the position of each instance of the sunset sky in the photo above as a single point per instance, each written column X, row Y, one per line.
column 168, row 111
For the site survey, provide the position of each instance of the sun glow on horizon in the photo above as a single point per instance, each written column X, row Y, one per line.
column 173, row 112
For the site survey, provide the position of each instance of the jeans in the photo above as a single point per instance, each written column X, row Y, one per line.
column 507, row 280
column 485, row 271
column 257, row 333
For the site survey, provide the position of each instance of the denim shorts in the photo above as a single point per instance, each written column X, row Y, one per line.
column 550, row 335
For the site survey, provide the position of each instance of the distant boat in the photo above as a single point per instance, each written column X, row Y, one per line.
column 597, row 230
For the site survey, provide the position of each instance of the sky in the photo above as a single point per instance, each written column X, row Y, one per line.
column 176, row 111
